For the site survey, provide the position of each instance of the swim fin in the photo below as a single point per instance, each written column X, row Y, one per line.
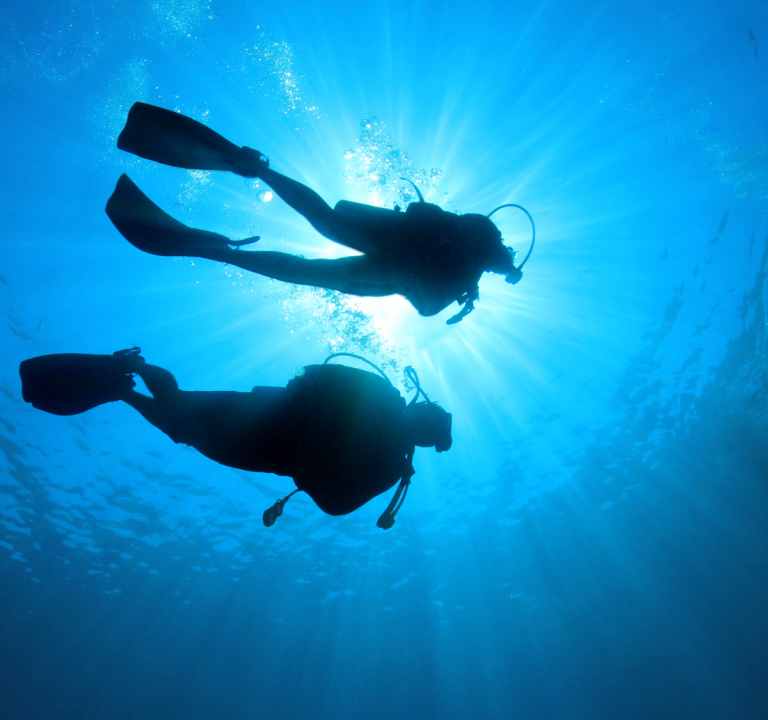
column 174, row 139
column 70, row 383
column 147, row 227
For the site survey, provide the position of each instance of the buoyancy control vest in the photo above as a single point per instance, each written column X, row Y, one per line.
column 353, row 447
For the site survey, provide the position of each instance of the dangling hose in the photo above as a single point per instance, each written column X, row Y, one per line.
column 387, row 518
column 271, row 514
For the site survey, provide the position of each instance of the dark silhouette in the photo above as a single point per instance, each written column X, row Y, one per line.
column 344, row 435
column 430, row 256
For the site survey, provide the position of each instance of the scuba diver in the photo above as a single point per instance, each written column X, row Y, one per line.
column 430, row 256
column 344, row 435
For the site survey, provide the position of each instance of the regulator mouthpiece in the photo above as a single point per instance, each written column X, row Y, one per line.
column 514, row 276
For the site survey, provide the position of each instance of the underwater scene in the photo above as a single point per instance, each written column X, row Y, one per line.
column 594, row 542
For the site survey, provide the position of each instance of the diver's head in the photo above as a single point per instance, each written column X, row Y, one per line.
column 498, row 258
column 428, row 425
column 502, row 261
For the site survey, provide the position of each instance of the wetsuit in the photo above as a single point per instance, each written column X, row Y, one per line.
column 434, row 256
column 337, row 431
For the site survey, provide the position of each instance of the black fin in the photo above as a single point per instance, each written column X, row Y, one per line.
column 147, row 227
column 174, row 139
column 70, row 383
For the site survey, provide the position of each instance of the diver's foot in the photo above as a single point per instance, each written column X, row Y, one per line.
column 128, row 361
column 152, row 230
column 251, row 163
column 189, row 242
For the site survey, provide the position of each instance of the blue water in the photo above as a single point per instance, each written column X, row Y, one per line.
column 595, row 543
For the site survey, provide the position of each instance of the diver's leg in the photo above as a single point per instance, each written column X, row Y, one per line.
column 159, row 381
column 164, row 408
column 254, row 431
column 150, row 409
column 186, row 417
column 301, row 198
column 359, row 275
column 152, row 230
column 333, row 225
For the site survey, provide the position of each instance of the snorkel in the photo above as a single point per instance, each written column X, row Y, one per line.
column 515, row 275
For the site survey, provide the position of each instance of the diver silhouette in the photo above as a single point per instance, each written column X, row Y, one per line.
column 344, row 435
column 430, row 256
